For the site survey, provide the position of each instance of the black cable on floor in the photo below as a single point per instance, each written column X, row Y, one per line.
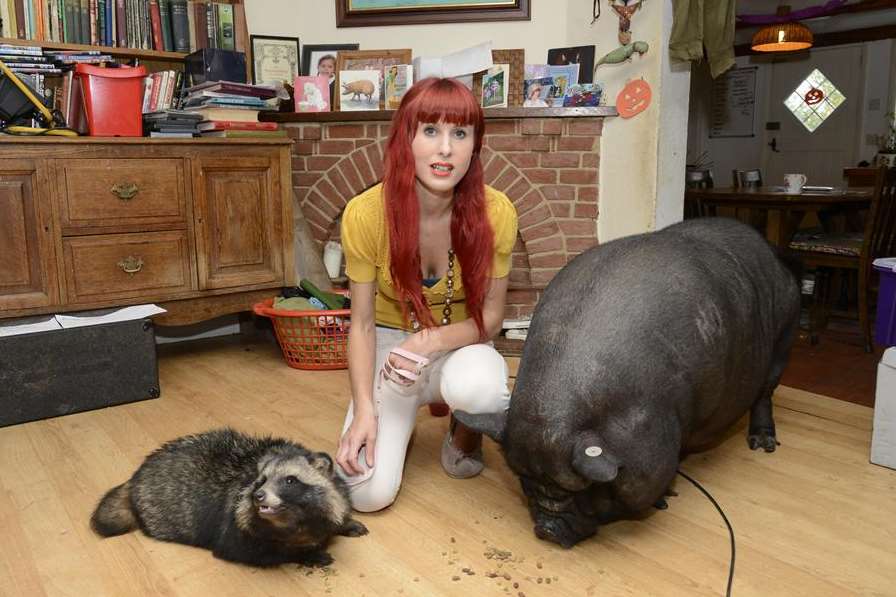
column 727, row 524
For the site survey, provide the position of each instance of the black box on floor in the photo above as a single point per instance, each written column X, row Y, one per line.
column 58, row 372
column 212, row 64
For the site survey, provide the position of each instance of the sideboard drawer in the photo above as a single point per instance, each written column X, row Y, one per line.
column 117, row 266
column 97, row 193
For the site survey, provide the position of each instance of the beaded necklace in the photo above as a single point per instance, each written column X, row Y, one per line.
column 449, row 294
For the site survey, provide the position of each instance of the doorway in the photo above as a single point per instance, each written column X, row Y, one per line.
column 823, row 153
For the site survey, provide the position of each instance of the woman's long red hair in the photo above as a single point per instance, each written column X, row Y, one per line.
column 435, row 100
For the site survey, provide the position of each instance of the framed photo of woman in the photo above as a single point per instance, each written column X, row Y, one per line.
column 274, row 59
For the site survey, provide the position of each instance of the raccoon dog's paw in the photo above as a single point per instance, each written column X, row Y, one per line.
column 353, row 528
column 316, row 559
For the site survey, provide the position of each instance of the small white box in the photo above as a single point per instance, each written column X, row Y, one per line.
column 883, row 438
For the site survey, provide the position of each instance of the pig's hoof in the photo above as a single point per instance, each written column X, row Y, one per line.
column 661, row 504
column 763, row 440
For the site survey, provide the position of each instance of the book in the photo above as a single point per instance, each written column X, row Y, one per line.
column 165, row 17
column 179, row 26
column 227, row 101
column 232, row 113
column 230, row 125
column 234, row 88
column 225, row 37
column 312, row 94
column 241, row 134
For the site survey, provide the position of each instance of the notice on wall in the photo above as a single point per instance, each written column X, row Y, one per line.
column 733, row 106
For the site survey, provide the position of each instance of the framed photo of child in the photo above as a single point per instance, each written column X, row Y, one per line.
column 320, row 59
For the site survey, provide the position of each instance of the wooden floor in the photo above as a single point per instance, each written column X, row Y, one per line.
column 815, row 518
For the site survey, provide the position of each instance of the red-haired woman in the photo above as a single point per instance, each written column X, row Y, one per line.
column 428, row 255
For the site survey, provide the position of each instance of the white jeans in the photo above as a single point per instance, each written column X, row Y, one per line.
column 472, row 379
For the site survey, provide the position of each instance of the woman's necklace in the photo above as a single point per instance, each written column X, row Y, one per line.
column 449, row 294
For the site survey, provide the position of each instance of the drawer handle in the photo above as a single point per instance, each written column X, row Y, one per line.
column 131, row 264
column 125, row 190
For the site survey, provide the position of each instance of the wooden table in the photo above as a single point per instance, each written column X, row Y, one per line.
column 785, row 210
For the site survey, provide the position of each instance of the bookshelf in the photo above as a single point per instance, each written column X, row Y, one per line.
column 153, row 59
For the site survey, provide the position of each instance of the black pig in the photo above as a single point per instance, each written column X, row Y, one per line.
column 642, row 350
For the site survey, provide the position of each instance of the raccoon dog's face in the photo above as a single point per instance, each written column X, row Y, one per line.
column 294, row 497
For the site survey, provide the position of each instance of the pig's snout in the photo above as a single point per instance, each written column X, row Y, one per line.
column 565, row 529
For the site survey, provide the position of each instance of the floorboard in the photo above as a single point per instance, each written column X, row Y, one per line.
column 814, row 518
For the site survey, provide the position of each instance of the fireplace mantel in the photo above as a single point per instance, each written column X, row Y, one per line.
column 490, row 113
column 545, row 159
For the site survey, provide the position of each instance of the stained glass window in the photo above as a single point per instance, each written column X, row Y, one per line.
column 814, row 100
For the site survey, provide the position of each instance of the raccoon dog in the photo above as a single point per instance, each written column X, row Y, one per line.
column 259, row 501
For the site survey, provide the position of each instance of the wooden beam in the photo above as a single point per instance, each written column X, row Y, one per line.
column 835, row 38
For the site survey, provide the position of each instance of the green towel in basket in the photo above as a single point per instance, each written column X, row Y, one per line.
column 295, row 303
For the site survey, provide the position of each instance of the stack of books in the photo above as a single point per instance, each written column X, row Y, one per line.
column 31, row 66
column 171, row 124
column 230, row 109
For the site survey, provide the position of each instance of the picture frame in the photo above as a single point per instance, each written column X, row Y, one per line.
column 377, row 13
column 312, row 53
column 274, row 59
column 581, row 55
column 367, row 60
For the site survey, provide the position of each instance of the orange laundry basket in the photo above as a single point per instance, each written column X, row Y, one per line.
column 113, row 99
column 310, row 339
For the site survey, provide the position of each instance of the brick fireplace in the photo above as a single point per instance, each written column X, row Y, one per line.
column 545, row 160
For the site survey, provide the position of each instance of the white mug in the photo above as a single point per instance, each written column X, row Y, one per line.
column 794, row 182
column 333, row 258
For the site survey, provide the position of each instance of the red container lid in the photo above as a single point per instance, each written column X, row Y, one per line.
column 124, row 72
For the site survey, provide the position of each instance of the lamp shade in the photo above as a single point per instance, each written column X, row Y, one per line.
column 783, row 37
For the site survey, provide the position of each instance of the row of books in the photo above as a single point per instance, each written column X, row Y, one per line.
column 162, row 90
column 164, row 25
column 34, row 60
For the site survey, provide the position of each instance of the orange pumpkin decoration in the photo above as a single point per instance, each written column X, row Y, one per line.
column 634, row 98
column 813, row 96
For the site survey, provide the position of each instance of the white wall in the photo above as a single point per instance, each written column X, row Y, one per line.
column 642, row 159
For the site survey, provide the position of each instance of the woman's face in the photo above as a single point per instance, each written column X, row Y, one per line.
column 534, row 92
column 442, row 153
column 327, row 66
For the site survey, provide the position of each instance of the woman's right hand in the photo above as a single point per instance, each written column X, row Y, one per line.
column 361, row 433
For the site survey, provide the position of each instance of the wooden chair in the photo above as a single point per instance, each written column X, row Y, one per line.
column 853, row 251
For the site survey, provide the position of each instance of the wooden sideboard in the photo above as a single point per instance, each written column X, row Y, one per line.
column 203, row 227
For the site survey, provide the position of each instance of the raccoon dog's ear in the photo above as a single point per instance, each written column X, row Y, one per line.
column 322, row 462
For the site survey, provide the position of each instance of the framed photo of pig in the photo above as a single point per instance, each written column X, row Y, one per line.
column 375, row 60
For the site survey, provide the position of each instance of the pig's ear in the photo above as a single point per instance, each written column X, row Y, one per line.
column 491, row 424
column 592, row 461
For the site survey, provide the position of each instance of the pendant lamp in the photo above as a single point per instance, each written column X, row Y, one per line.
column 782, row 37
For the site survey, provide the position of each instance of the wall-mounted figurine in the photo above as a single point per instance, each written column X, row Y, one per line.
column 623, row 53
column 625, row 9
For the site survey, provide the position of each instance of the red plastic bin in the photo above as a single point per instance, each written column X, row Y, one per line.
column 113, row 99
column 310, row 339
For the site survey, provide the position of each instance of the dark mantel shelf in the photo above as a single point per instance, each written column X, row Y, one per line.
column 490, row 113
